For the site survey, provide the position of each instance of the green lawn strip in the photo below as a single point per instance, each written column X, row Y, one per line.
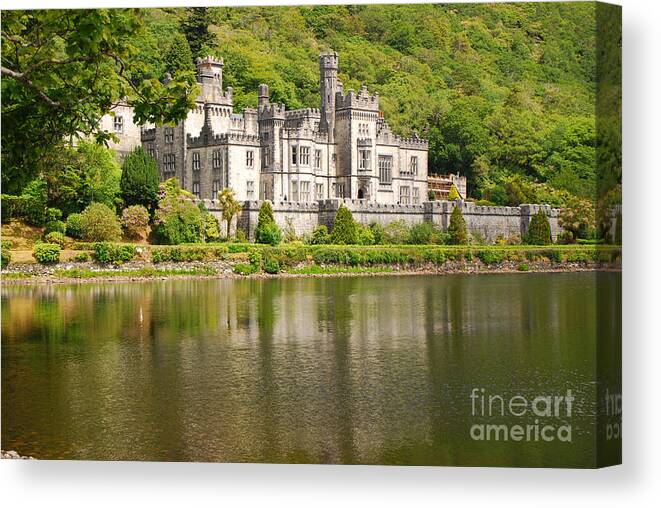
column 147, row 271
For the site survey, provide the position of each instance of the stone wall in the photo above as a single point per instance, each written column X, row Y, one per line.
column 490, row 222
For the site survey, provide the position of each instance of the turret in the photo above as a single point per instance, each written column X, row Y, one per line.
column 328, row 80
column 263, row 97
column 210, row 71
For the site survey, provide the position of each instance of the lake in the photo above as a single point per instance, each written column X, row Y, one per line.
column 349, row 370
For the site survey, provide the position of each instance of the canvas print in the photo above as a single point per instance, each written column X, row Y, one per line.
column 329, row 234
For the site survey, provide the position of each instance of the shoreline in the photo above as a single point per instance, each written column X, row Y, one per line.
column 226, row 273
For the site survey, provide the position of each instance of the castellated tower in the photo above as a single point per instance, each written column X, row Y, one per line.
column 329, row 86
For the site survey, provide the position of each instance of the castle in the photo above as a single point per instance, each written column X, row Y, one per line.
column 344, row 149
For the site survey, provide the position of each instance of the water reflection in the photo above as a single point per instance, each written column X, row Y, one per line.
column 342, row 370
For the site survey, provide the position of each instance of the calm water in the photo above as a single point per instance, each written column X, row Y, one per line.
column 342, row 370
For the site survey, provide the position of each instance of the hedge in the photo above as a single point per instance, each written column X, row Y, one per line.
column 178, row 253
column 113, row 253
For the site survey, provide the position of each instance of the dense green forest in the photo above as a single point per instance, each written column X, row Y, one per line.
column 505, row 93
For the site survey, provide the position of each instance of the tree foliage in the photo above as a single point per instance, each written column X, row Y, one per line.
column 99, row 223
column 62, row 70
column 267, row 230
column 140, row 180
column 177, row 219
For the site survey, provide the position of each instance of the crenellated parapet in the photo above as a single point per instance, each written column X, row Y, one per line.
column 272, row 112
column 361, row 100
column 210, row 139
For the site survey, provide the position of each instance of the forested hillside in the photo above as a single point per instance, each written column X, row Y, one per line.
column 505, row 93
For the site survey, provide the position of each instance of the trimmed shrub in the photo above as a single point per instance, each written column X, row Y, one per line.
column 264, row 221
column 270, row 234
column 81, row 257
column 523, row 267
column 211, row 227
column 457, row 228
column 139, row 182
column 112, row 253
column 539, row 230
column 74, row 226
column 188, row 253
column 491, row 256
column 55, row 226
column 135, row 221
column 344, row 228
column 5, row 253
column 55, row 237
column 319, row 236
column 99, row 224
column 46, row 253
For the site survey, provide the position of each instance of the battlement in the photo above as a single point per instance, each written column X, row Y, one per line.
column 210, row 139
column 414, row 142
column 328, row 60
column 361, row 100
column 295, row 114
column 209, row 61
column 272, row 111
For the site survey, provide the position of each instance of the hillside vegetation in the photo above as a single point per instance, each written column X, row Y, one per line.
column 505, row 93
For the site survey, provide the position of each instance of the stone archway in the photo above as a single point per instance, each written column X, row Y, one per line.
column 362, row 193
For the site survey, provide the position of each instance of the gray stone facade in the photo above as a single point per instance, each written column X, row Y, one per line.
column 344, row 149
column 490, row 222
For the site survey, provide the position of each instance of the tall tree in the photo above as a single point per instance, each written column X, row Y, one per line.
column 179, row 57
column 195, row 26
column 140, row 181
column 62, row 70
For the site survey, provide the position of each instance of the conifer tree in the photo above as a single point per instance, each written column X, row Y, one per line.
column 457, row 228
column 344, row 228
column 140, row 181
column 539, row 230
column 454, row 194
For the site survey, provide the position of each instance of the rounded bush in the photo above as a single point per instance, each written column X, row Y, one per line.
column 539, row 230
column 99, row 223
column 55, row 226
column 74, row 226
column 270, row 234
column 320, row 236
column 272, row 266
column 6, row 253
column 108, row 253
column 46, row 253
column 55, row 237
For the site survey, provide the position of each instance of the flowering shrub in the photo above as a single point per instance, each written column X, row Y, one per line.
column 135, row 220
column 177, row 219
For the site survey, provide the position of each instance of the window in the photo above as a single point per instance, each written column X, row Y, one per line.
column 385, row 169
column 169, row 135
column 405, row 195
column 250, row 190
column 294, row 191
column 197, row 161
column 118, row 124
column 413, row 168
column 363, row 130
column 169, row 164
column 266, row 190
column 317, row 159
column 250, row 158
column 294, row 155
column 150, row 151
column 305, row 155
column 319, row 191
column 339, row 190
column 267, row 158
column 363, row 160
column 215, row 189
column 216, row 161
column 416, row 195
column 305, row 191
column 196, row 189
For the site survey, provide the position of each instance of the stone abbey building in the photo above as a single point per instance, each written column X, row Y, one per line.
column 344, row 149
